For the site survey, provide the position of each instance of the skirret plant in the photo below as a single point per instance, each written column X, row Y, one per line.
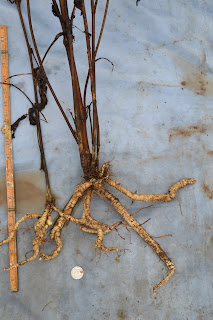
column 96, row 177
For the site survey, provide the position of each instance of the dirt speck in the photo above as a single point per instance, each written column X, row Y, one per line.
column 211, row 241
column 78, row 251
column 29, row 191
column 148, row 50
column 210, row 152
column 178, row 40
column 207, row 190
column 121, row 314
column 155, row 158
column 187, row 132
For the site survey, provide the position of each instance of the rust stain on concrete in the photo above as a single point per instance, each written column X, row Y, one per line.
column 199, row 82
column 207, row 190
column 187, row 132
column 121, row 314
column 194, row 77
column 210, row 152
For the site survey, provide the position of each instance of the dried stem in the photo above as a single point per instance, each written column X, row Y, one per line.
column 46, row 78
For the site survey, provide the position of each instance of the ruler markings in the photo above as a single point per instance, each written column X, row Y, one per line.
column 8, row 157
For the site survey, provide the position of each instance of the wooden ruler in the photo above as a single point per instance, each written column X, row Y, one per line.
column 8, row 156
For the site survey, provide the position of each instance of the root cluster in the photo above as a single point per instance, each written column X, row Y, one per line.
column 88, row 224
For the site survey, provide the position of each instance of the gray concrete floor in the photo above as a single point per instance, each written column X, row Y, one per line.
column 156, row 121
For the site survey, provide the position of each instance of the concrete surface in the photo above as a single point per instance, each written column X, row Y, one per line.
column 156, row 121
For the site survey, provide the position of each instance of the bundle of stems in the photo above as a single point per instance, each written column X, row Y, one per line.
column 96, row 177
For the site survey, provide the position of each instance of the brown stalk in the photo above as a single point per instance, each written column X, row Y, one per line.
column 97, row 46
column 94, row 53
column 92, row 78
column 79, row 110
column 39, row 132
column 46, row 78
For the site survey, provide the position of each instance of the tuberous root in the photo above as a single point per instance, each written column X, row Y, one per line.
column 90, row 225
